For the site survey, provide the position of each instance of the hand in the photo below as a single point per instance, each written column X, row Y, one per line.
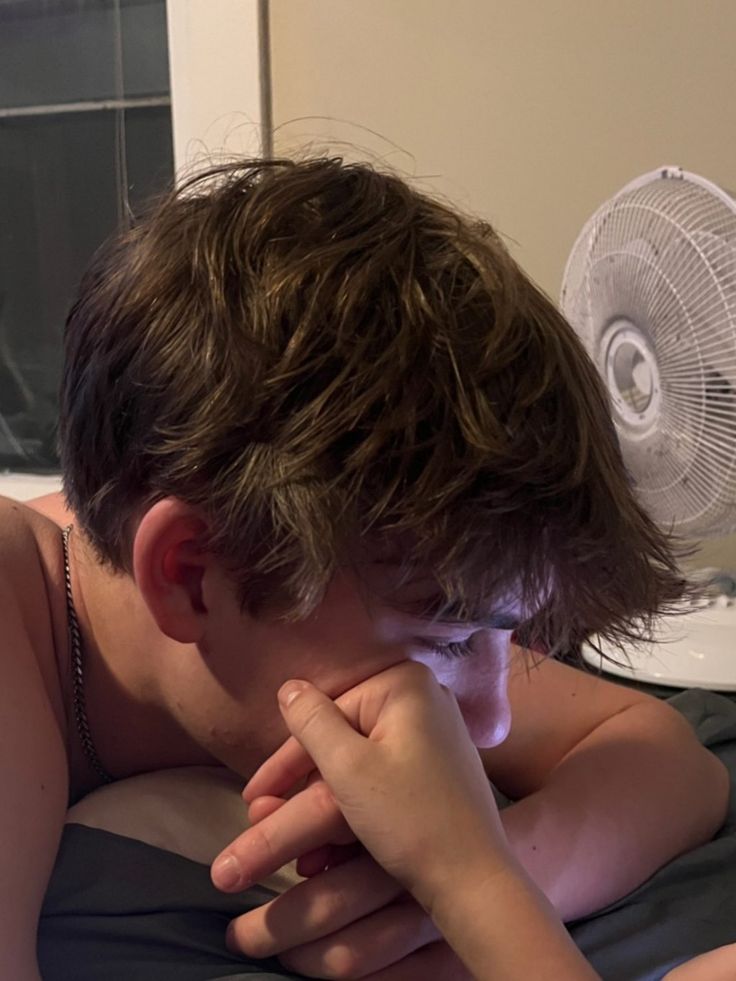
column 355, row 919
column 408, row 782
column 351, row 920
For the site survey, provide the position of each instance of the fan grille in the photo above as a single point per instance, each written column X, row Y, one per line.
column 650, row 287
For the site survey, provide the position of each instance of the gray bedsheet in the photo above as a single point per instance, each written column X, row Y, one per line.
column 120, row 910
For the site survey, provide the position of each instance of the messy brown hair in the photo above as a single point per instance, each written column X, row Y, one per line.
column 318, row 357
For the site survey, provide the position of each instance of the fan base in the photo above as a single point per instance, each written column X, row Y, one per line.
column 695, row 650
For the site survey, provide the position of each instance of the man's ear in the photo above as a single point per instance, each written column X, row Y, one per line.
column 169, row 563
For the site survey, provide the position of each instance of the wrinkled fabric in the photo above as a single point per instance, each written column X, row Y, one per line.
column 119, row 910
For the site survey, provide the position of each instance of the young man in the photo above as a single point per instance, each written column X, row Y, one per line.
column 314, row 423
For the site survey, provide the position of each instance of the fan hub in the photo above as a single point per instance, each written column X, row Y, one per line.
column 632, row 375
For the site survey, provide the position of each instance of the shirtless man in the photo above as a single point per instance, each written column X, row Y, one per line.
column 316, row 424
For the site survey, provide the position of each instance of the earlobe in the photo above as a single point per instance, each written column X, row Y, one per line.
column 169, row 565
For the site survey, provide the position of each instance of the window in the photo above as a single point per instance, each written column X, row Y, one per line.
column 85, row 138
column 92, row 95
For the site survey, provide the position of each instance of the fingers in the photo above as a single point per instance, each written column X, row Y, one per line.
column 263, row 807
column 436, row 961
column 326, row 857
column 323, row 733
column 311, row 863
column 284, row 768
column 314, row 862
column 366, row 946
column 314, row 909
column 326, row 730
column 299, row 825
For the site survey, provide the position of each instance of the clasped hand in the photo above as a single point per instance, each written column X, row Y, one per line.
column 388, row 765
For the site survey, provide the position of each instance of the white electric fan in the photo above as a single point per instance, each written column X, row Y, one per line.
column 650, row 288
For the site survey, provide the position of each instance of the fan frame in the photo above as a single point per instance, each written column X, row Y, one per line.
column 640, row 424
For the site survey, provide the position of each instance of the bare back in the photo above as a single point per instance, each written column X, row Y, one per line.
column 34, row 758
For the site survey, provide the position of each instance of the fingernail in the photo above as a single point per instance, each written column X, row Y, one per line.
column 226, row 872
column 290, row 691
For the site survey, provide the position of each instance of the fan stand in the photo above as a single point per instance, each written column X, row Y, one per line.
column 694, row 650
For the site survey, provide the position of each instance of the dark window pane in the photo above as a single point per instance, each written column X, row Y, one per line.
column 149, row 153
column 63, row 177
column 60, row 51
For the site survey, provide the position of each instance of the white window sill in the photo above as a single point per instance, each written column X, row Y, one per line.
column 24, row 486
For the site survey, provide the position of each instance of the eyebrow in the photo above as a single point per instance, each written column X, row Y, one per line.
column 434, row 607
column 497, row 620
column 494, row 620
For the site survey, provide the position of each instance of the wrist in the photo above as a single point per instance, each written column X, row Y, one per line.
column 502, row 926
column 481, row 871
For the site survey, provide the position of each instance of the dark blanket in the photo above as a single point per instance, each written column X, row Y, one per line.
column 120, row 910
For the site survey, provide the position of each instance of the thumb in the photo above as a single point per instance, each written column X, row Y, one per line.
column 318, row 725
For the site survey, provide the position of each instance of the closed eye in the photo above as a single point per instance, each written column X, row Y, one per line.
column 451, row 650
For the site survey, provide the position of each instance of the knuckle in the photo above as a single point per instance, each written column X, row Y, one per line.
column 326, row 908
column 246, row 935
column 310, row 716
column 344, row 962
column 261, row 848
column 253, row 947
column 322, row 799
column 333, row 961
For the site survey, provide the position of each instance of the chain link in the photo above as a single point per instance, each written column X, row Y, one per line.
column 75, row 640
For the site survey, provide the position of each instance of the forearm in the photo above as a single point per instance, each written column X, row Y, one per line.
column 717, row 965
column 503, row 929
column 632, row 795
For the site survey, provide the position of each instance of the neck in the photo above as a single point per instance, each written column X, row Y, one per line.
column 125, row 655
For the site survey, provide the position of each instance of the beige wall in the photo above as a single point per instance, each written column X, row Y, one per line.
column 529, row 112
column 215, row 75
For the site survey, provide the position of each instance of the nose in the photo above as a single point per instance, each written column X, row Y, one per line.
column 480, row 685
column 487, row 717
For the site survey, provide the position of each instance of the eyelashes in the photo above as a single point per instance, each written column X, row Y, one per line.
column 452, row 650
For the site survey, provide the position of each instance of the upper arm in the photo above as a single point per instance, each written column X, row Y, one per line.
column 554, row 707
column 33, row 775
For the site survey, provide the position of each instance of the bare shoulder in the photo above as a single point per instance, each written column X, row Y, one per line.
column 554, row 706
column 33, row 761
column 29, row 547
column 32, row 591
column 52, row 506
column 32, row 603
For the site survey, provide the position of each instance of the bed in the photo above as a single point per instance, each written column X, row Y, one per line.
column 130, row 897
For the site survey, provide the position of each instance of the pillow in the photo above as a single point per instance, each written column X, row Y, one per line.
column 193, row 811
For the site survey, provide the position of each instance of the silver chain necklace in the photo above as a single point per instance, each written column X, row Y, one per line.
column 75, row 641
